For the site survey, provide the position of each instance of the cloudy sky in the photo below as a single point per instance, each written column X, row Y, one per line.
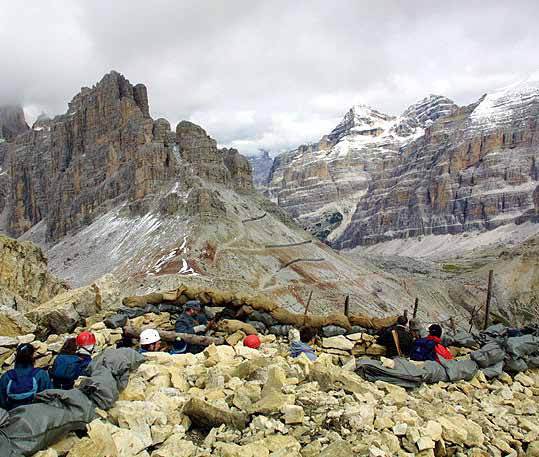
column 265, row 74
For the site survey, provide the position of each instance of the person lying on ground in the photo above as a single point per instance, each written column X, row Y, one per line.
column 20, row 385
column 430, row 348
column 73, row 360
column 300, row 343
column 397, row 339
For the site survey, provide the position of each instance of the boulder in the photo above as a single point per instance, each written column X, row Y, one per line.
column 338, row 342
column 293, row 414
column 205, row 414
column 13, row 323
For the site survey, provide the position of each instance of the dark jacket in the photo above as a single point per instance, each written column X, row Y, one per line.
column 21, row 371
column 405, row 341
column 67, row 368
column 187, row 324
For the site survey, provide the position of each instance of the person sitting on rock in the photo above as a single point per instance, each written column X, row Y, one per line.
column 190, row 322
column 430, row 348
column 20, row 385
column 300, row 343
column 73, row 360
column 397, row 339
column 150, row 341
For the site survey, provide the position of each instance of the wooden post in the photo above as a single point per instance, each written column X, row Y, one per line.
column 489, row 295
column 416, row 305
column 347, row 306
column 307, row 307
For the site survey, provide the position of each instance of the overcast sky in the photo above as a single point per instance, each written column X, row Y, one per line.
column 265, row 74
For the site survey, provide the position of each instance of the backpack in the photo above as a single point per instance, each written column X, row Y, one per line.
column 66, row 369
column 22, row 389
column 423, row 349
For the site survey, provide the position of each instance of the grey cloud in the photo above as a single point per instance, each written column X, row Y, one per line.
column 266, row 74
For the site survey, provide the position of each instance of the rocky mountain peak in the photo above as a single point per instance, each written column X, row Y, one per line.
column 261, row 164
column 423, row 114
column 104, row 151
column 361, row 120
column 12, row 122
column 502, row 106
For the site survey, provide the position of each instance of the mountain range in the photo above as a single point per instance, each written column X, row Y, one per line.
column 436, row 169
column 105, row 188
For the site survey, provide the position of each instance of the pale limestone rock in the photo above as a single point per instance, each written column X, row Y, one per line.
column 533, row 449
column 293, row 414
column 209, row 415
column 453, row 430
column 376, row 349
column 175, row 446
column 47, row 453
column 433, row 430
column 425, row 443
column 276, row 380
column 216, row 354
column 271, row 403
column 338, row 342
column 340, row 448
column 400, row 429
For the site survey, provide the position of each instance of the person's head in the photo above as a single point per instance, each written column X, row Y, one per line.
column 24, row 354
column 69, row 347
column 435, row 330
column 193, row 307
column 150, row 340
column 307, row 334
column 86, row 342
column 402, row 320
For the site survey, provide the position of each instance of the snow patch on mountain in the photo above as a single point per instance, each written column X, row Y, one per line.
column 502, row 105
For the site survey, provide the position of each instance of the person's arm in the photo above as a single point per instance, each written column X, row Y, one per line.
column 43, row 381
column 3, row 391
column 185, row 325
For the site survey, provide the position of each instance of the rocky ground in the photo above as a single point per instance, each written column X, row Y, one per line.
column 232, row 401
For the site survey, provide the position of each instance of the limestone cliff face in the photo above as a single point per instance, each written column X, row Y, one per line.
column 321, row 184
column 12, row 122
column 105, row 150
column 24, row 279
column 475, row 169
column 261, row 165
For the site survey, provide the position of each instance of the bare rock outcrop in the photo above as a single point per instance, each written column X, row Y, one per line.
column 24, row 279
column 321, row 184
column 475, row 169
column 261, row 165
column 12, row 122
column 107, row 150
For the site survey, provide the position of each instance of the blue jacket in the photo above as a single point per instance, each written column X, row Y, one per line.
column 67, row 368
column 297, row 348
column 41, row 377
column 187, row 324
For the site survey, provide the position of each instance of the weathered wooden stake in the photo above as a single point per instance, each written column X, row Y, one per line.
column 347, row 305
column 307, row 307
column 416, row 305
column 489, row 295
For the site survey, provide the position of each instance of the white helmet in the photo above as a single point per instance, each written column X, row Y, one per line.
column 149, row 336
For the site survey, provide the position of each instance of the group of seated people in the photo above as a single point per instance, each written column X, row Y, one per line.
column 403, row 340
column 20, row 385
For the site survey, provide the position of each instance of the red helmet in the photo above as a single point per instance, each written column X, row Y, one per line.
column 252, row 341
column 85, row 339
